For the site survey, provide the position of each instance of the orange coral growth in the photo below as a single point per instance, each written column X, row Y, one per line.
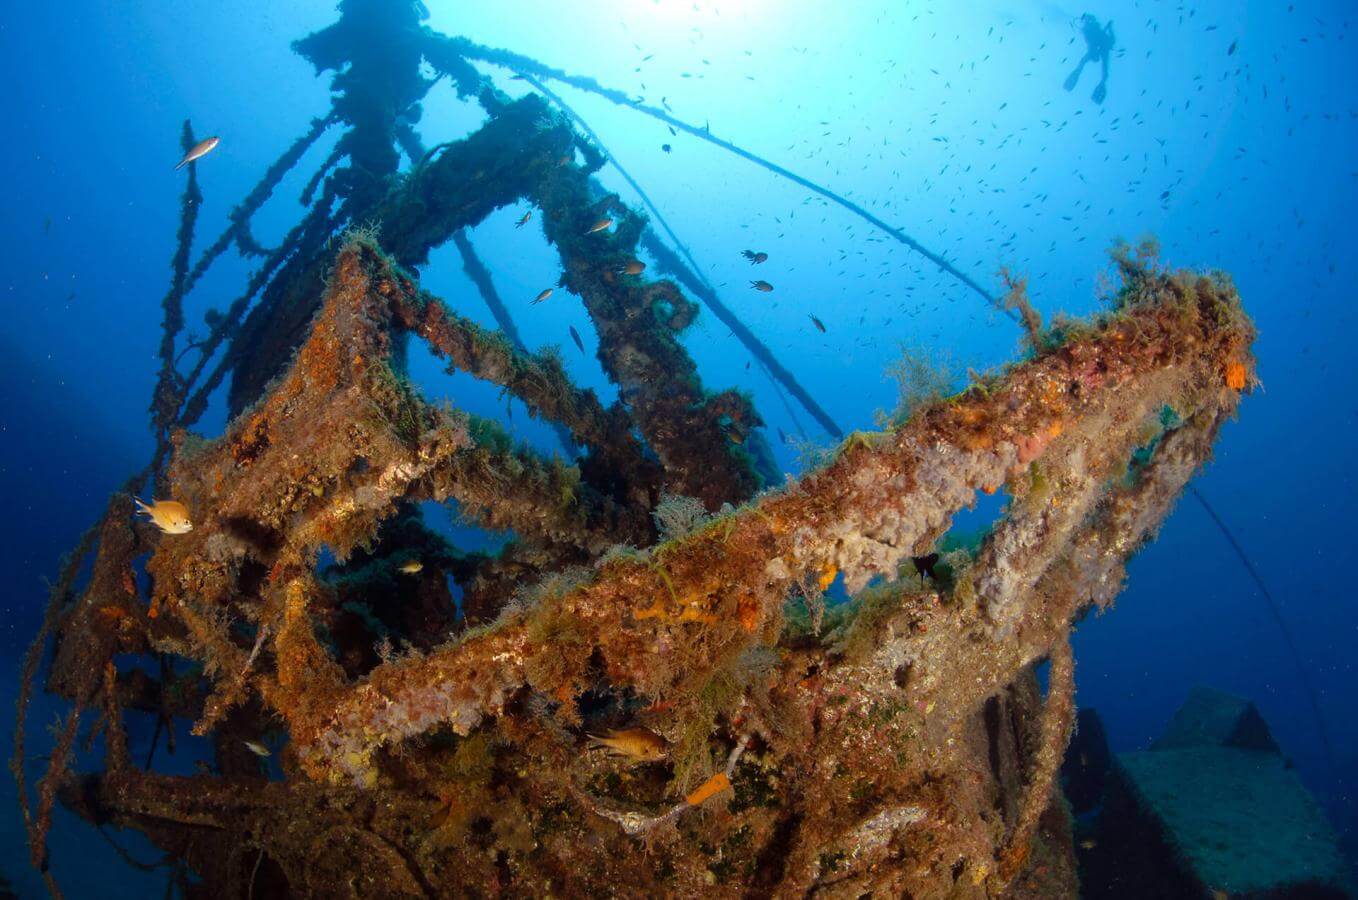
column 1235, row 375
column 693, row 614
column 655, row 611
column 747, row 612
column 709, row 789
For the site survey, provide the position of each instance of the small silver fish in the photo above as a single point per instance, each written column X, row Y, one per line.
column 547, row 292
column 257, row 749
column 411, row 567
column 200, row 149
column 600, row 225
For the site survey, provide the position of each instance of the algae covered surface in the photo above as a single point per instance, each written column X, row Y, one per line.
column 1240, row 818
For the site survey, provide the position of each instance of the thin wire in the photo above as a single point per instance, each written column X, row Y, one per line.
column 1273, row 608
column 525, row 66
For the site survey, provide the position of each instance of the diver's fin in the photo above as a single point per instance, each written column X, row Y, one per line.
column 1072, row 79
column 1100, row 93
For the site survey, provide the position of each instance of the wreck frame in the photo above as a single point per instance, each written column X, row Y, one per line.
column 898, row 742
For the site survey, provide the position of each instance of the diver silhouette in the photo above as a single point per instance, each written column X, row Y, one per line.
column 1099, row 47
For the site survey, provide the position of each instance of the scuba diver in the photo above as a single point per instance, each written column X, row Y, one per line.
column 1099, row 47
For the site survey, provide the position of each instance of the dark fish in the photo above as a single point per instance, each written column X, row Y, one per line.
column 1230, row 51
column 819, row 323
column 666, row 147
column 524, row 221
column 761, row 286
column 782, row 436
column 575, row 336
column 924, row 565
column 47, row 225
column 754, row 258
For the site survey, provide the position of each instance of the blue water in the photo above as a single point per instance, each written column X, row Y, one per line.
column 946, row 119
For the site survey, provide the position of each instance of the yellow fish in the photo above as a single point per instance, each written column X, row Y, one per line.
column 600, row 225
column 170, row 516
column 637, row 744
column 411, row 567
column 199, row 150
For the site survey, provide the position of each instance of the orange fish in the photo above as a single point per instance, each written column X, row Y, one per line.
column 636, row 744
column 635, row 267
column 170, row 516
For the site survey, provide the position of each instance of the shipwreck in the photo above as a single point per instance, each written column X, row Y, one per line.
column 659, row 577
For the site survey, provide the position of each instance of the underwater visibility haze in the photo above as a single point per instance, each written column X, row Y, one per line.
column 732, row 448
